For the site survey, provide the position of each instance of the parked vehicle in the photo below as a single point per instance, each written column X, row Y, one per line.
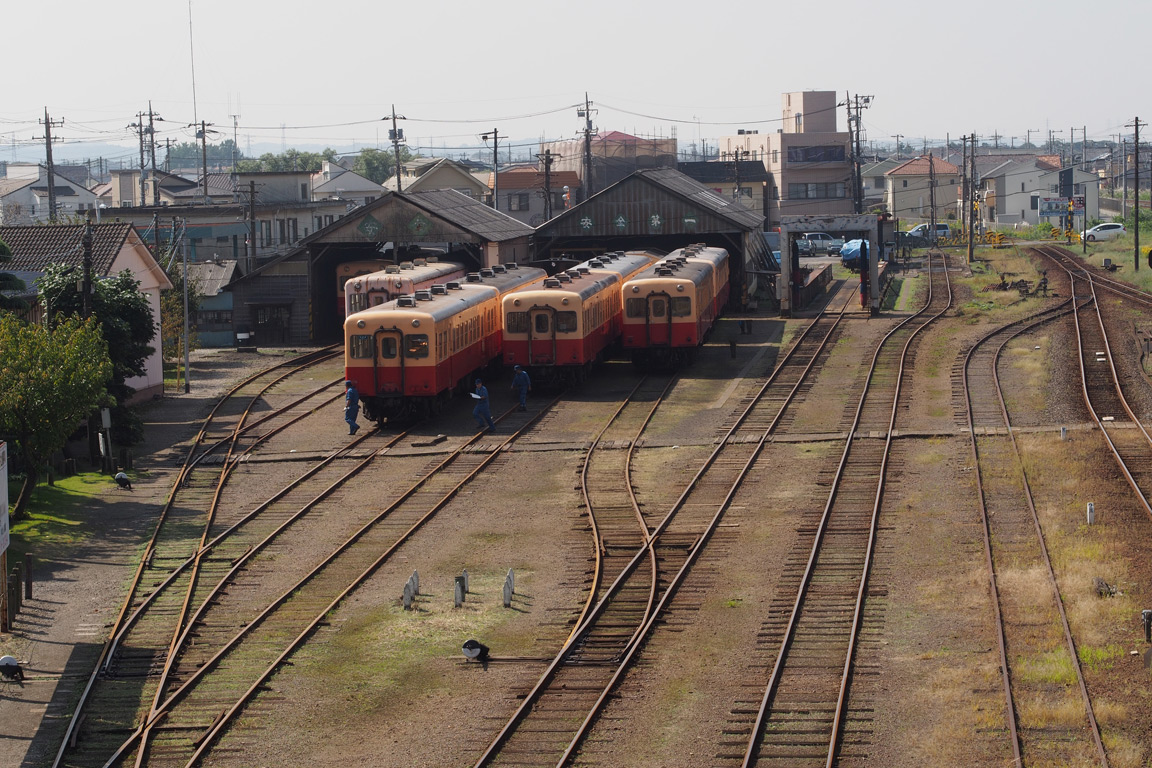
column 924, row 232
column 812, row 243
column 1103, row 232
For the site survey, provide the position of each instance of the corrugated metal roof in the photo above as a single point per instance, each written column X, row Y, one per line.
column 724, row 172
column 469, row 214
column 210, row 277
column 34, row 248
column 659, row 201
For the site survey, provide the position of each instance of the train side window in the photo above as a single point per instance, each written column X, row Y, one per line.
column 541, row 323
column 517, row 322
column 388, row 347
column 357, row 302
column 565, row 322
column 635, row 307
column 681, row 306
column 416, row 345
column 658, row 307
column 360, row 347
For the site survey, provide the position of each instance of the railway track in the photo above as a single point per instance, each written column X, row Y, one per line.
column 560, row 710
column 1102, row 385
column 120, row 681
column 802, row 716
column 1029, row 629
column 235, row 642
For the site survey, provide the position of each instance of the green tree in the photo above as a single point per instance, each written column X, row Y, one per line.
column 51, row 379
column 379, row 164
column 189, row 154
column 9, row 281
column 291, row 160
column 125, row 319
column 172, row 317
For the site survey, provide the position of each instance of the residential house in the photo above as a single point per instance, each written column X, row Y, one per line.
column 914, row 186
column 335, row 182
column 211, row 280
column 124, row 190
column 25, row 198
column 875, row 186
column 522, row 194
column 115, row 247
column 424, row 174
column 742, row 181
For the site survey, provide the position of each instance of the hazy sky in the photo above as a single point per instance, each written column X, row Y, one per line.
column 326, row 72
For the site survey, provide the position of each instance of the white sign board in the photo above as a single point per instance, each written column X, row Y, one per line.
column 3, row 497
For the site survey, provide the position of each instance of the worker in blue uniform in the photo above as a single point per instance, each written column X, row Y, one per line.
column 483, row 411
column 523, row 385
column 351, row 406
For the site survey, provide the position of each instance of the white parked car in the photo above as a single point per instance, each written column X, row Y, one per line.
column 1103, row 232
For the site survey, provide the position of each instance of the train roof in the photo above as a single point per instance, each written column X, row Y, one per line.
column 444, row 301
column 582, row 285
column 714, row 255
column 620, row 262
column 418, row 270
column 694, row 270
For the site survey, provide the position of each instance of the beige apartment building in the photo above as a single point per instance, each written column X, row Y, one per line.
column 808, row 160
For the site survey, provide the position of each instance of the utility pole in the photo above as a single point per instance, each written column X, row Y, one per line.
column 586, row 113
column 547, row 159
column 973, row 199
column 152, row 148
column 897, row 137
column 1136, row 183
column 737, row 156
column 1028, row 136
column 965, row 191
column 854, row 136
column 494, row 134
column 86, row 289
column 396, row 135
column 139, row 126
column 932, row 197
column 47, row 123
column 235, row 138
column 995, row 140
column 1124, row 163
column 202, row 134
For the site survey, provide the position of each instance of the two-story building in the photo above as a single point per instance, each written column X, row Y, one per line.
column 916, row 185
column 424, row 174
column 522, row 194
column 25, row 197
column 809, row 161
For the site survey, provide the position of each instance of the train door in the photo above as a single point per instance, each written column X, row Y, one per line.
column 659, row 320
column 541, row 336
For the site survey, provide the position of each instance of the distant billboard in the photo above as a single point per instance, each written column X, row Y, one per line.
column 1058, row 206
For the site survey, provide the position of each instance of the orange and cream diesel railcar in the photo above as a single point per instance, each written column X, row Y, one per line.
column 558, row 328
column 409, row 355
column 394, row 280
column 671, row 306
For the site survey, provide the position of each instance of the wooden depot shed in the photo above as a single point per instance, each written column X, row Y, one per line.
column 292, row 299
column 662, row 209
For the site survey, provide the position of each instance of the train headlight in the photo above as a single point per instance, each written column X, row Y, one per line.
column 415, row 323
column 356, row 286
column 359, row 323
column 516, row 303
column 564, row 302
column 635, row 289
column 680, row 288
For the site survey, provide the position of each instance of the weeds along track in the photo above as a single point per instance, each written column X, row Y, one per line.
column 562, row 708
column 262, row 609
column 802, row 715
column 1029, row 630
column 109, row 704
column 1103, row 387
